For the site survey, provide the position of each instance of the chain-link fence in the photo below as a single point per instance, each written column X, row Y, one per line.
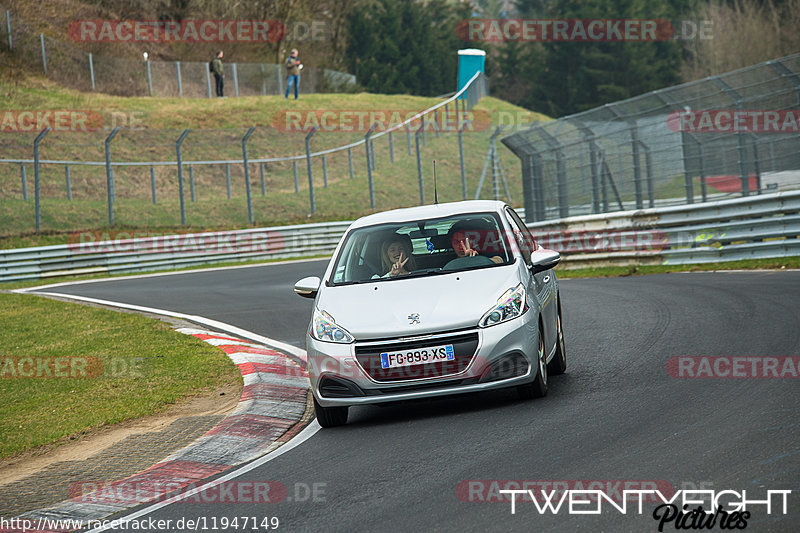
column 731, row 135
column 241, row 176
column 73, row 67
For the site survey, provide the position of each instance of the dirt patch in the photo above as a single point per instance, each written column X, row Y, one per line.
column 220, row 401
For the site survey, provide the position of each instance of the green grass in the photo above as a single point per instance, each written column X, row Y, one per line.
column 778, row 263
column 134, row 366
column 217, row 127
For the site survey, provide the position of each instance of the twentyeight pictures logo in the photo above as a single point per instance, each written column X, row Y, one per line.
column 189, row 31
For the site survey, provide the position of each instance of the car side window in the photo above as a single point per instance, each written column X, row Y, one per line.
column 522, row 235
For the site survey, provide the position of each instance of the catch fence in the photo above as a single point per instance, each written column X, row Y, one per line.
column 725, row 136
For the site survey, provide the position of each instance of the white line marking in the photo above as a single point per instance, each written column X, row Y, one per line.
column 298, row 439
column 297, row 352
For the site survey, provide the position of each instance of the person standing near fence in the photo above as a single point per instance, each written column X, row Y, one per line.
column 293, row 67
column 219, row 74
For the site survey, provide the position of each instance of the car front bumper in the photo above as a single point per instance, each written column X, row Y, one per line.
column 497, row 345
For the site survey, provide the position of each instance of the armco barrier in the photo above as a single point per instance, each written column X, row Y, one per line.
column 755, row 227
column 744, row 228
column 89, row 256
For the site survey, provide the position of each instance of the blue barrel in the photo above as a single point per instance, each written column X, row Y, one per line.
column 470, row 61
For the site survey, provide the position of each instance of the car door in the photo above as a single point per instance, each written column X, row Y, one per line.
column 543, row 283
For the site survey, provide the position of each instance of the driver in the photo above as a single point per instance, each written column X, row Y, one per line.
column 459, row 240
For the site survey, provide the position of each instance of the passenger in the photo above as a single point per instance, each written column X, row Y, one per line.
column 459, row 240
column 396, row 258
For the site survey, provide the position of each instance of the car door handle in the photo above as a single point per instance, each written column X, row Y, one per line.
column 546, row 279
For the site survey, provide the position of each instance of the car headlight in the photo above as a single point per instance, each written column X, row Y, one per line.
column 509, row 306
column 325, row 329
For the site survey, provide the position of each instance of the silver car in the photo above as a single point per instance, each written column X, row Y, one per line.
column 433, row 301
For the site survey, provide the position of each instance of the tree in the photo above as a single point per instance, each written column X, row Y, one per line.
column 405, row 46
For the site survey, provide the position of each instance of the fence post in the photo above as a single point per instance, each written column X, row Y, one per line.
column 436, row 123
column 419, row 163
column 153, row 183
column 110, row 176
column 280, row 80
column 8, row 25
column 701, row 158
column 235, row 80
column 296, row 181
column 391, row 148
column 247, row 174
column 372, row 154
column 178, row 71
column 178, row 144
column 369, row 166
column 263, row 80
column 91, row 69
column 308, row 162
column 208, row 82
column 637, row 169
column 149, row 78
column 461, row 159
column 44, row 55
column 325, row 171
column 69, row 183
column 263, row 180
column 408, row 138
column 36, row 184
column 228, row 179
column 561, row 173
column 350, row 160
column 191, row 182
column 24, row 176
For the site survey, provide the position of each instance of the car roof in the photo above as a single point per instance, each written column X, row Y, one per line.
column 429, row 212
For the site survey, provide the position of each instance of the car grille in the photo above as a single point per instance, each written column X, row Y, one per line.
column 464, row 347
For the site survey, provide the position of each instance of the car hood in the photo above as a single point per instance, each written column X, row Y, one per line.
column 444, row 302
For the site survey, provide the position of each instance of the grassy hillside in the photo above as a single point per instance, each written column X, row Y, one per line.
column 217, row 127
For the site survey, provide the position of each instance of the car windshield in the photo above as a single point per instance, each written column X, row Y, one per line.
column 428, row 247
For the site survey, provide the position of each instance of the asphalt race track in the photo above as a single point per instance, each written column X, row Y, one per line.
column 617, row 414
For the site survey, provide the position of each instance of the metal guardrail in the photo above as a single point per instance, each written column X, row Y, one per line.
column 744, row 228
column 757, row 227
column 88, row 255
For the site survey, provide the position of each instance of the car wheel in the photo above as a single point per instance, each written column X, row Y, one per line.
column 558, row 364
column 538, row 387
column 329, row 417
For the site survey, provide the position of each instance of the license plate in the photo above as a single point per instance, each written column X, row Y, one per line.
column 417, row 356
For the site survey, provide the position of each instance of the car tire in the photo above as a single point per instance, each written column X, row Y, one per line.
column 538, row 387
column 329, row 417
column 558, row 364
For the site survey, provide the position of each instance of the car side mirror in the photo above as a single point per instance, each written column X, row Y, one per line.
column 307, row 287
column 544, row 259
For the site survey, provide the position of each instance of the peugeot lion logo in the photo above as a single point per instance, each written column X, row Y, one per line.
column 413, row 318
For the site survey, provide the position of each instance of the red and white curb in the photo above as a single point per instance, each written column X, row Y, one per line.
column 272, row 409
